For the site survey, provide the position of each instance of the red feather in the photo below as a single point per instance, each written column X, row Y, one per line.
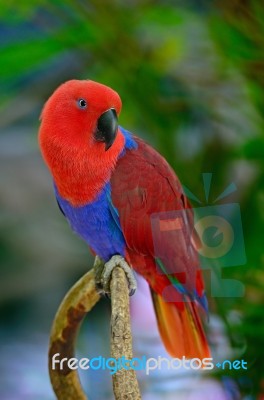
column 79, row 168
column 144, row 184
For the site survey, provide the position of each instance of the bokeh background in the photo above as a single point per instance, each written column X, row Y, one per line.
column 191, row 77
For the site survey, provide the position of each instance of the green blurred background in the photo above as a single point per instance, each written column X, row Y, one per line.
column 191, row 78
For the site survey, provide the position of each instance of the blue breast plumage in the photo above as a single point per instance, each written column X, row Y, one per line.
column 97, row 223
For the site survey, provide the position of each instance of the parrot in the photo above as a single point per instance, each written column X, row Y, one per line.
column 124, row 200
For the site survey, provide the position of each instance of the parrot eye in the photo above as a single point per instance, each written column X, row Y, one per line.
column 82, row 104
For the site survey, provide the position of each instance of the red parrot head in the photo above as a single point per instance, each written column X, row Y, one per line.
column 83, row 112
column 79, row 135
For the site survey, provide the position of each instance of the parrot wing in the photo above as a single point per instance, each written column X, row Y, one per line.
column 157, row 223
column 155, row 216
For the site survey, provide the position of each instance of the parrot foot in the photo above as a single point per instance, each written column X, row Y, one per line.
column 106, row 271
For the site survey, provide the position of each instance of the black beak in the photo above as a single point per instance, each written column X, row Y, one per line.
column 107, row 127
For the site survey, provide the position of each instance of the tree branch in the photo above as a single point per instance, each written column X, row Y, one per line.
column 125, row 382
column 80, row 299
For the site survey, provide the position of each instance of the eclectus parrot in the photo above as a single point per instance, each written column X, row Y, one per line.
column 110, row 185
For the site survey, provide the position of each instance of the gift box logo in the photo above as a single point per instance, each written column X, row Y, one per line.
column 209, row 235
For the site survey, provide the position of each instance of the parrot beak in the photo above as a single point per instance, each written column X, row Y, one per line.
column 107, row 127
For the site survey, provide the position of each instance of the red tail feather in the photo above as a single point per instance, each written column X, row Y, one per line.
column 181, row 329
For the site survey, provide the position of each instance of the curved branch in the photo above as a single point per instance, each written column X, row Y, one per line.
column 78, row 301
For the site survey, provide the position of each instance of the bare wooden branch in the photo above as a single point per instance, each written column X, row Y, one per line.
column 77, row 303
column 79, row 300
column 125, row 382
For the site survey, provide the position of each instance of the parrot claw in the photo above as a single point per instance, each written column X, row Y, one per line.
column 105, row 275
column 106, row 294
column 132, row 291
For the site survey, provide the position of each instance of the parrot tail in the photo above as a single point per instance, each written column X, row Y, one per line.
column 181, row 328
